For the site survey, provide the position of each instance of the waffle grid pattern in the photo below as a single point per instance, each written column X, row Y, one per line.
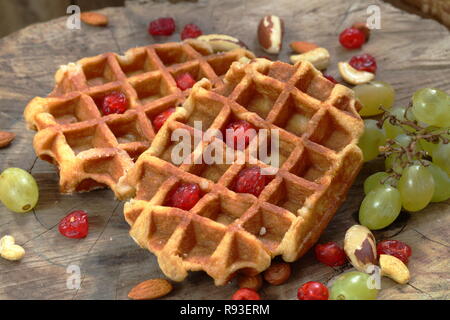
column 93, row 150
column 226, row 232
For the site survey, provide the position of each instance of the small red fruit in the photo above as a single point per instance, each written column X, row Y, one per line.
column 327, row 76
column 159, row 120
column 185, row 81
column 330, row 254
column 250, row 180
column 246, row 294
column 185, row 196
column 241, row 132
column 312, row 290
column 161, row 27
column 352, row 38
column 114, row 102
column 364, row 62
column 190, row 31
column 395, row 248
column 74, row 225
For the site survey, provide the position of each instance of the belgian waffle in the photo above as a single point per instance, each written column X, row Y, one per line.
column 227, row 232
column 93, row 150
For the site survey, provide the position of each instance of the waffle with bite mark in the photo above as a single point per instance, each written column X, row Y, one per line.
column 93, row 150
column 228, row 232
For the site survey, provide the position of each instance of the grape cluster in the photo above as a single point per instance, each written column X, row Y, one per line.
column 415, row 143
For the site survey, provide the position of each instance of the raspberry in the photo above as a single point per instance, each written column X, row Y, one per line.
column 246, row 294
column 352, row 38
column 185, row 196
column 74, row 225
column 159, row 120
column 327, row 76
column 394, row 248
column 364, row 62
column 115, row 102
column 312, row 290
column 250, row 180
column 330, row 254
column 185, row 81
column 191, row 31
column 161, row 27
column 241, row 136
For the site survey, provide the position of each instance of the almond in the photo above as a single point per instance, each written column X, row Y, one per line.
column 303, row 46
column 94, row 19
column 363, row 27
column 6, row 138
column 150, row 289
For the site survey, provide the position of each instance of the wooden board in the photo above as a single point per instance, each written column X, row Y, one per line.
column 412, row 53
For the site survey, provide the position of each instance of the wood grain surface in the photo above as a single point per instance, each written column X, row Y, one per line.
column 412, row 53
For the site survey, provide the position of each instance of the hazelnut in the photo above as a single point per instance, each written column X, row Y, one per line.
column 360, row 247
column 250, row 282
column 277, row 273
column 270, row 34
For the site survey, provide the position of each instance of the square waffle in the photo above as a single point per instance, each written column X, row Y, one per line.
column 227, row 232
column 93, row 150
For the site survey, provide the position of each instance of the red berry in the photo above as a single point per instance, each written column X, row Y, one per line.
column 246, row 294
column 352, row 38
column 190, row 31
column 312, row 290
column 330, row 254
column 161, row 27
column 327, row 76
column 364, row 62
column 185, row 196
column 159, row 120
column 114, row 102
column 250, row 180
column 240, row 135
column 185, row 81
column 74, row 225
column 395, row 248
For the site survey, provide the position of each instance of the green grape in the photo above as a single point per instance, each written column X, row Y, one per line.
column 441, row 183
column 394, row 161
column 353, row 285
column 392, row 131
column 432, row 106
column 374, row 181
column 430, row 147
column 372, row 138
column 373, row 95
column 19, row 191
column 416, row 187
column 380, row 207
column 441, row 157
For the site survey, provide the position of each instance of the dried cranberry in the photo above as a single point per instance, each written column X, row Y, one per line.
column 330, row 254
column 395, row 248
column 162, row 27
column 352, row 38
column 190, row 31
column 327, row 76
column 312, row 290
column 159, row 120
column 250, row 180
column 114, row 102
column 246, row 294
column 185, row 81
column 185, row 196
column 364, row 62
column 240, row 133
column 74, row 225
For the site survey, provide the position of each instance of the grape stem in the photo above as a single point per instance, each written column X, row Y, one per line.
column 407, row 155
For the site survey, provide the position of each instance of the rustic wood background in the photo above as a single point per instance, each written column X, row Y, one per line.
column 412, row 53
